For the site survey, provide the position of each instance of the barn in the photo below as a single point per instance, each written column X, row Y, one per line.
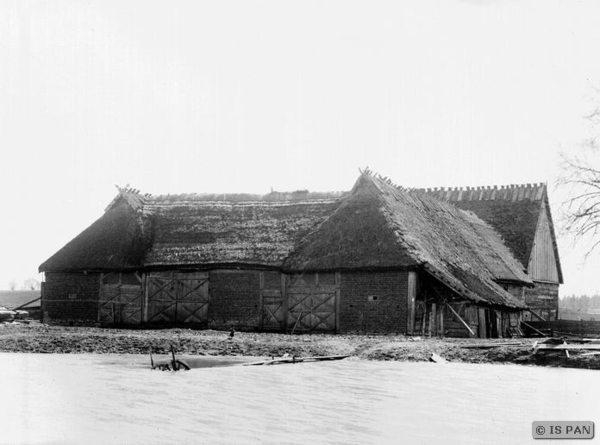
column 521, row 215
column 376, row 259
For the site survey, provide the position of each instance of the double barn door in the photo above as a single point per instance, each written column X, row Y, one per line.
column 175, row 297
column 292, row 303
column 171, row 297
column 301, row 303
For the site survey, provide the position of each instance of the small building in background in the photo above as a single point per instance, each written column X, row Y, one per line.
column 377, row 259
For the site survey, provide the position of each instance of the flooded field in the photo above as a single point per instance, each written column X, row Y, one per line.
column 117, row 399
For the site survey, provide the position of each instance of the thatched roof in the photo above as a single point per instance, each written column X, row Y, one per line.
column 512, row 210
column 380, row 225
column 194, row 230
column 115, row 241
column 251, row 233
column 375, row 226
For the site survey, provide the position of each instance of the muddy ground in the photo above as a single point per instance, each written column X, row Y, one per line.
column 40, row 338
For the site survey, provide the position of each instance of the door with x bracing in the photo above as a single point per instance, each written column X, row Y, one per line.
column 178, row 297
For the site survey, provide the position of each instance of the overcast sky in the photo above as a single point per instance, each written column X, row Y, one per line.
column 245, row 96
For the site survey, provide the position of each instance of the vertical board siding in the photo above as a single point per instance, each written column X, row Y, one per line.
column 543, row 265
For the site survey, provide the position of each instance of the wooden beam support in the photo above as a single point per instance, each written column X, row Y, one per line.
column 461, row 320
column 533, row 329
column 441, row 325
column 536, row 315
column 433, row 319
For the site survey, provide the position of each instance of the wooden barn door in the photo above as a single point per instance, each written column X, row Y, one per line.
column 177, row 297
column 120, row 299
column 312, row 302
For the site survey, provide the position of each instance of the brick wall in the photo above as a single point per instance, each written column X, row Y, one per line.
column 70, row 298
column 373, row 302
column 543, row 300
column 234, row 299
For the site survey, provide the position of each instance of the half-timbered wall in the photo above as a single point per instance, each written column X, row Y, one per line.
column 71, row 298
column 373, row 302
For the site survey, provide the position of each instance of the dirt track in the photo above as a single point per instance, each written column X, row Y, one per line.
column 39, row 338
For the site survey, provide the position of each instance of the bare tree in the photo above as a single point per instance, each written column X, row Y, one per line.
column 581, row 178
column 12, row 285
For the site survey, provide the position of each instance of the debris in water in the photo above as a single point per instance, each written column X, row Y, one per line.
column 173, row 365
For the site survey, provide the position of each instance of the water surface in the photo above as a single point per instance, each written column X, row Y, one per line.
column 117, row 399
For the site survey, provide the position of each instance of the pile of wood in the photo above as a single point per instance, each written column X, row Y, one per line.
column 574, row 344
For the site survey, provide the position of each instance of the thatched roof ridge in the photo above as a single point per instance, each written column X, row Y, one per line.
column 274, row 197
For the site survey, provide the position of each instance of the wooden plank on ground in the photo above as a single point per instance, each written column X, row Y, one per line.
column 566, row 347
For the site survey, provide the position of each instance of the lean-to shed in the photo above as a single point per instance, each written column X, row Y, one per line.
column 376, row 259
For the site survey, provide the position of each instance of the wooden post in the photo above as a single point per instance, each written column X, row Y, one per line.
column 338, row 295
column 261, row 279
column 146, row 303
column 99, row 296
column 482, row 323
column 441, row 324
column 430, row 319
column 499, row 324
column 284, row 302
column 410, row 301
column 434, row 327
